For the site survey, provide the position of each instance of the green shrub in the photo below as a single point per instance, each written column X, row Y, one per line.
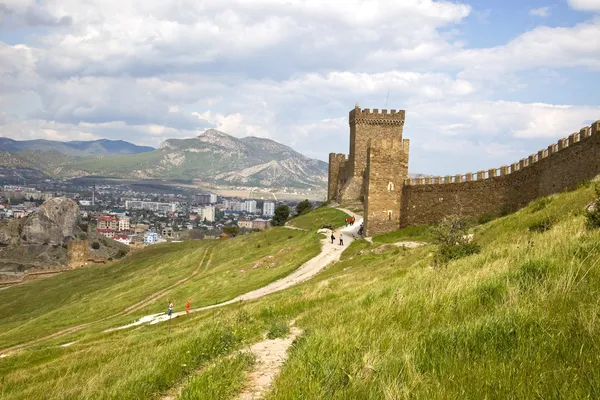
column 541, row 225
column 540, row 204
column 485, row 218
column 451, row 236
column 507, row 209
column 95, row 245
column 593, row 216
column 278, row 329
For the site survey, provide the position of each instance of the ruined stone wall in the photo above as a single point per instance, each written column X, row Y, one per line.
column 77, row 253
column 561, row 166
column 367, row 125
column 386, row 171
column 336, row 164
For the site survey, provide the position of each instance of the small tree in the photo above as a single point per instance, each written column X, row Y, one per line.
column 592, row 214
column 303, row 207
column 453, row 241
column 231, row 230
column 95, row 245
column 282, row 213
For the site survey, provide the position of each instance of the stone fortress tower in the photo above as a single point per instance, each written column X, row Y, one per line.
column 375, row 170
column 374, row 176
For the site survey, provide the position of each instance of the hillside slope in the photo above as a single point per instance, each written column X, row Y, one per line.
column 518, row 320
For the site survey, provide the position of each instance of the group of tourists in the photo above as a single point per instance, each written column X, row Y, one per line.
column 188, row 304
column 333, row 238
column 350, row 221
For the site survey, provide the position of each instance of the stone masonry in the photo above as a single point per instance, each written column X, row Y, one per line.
column 376, row 174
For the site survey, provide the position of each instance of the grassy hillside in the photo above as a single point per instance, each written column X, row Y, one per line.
column 318, row 218
column 223, row 270
column 517, row 320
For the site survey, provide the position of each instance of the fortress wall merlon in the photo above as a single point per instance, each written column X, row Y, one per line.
column 521, row 165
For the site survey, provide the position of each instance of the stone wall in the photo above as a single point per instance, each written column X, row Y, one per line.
column 336, row 163
column 387, row 169
column 561, row 166
column 77, row 252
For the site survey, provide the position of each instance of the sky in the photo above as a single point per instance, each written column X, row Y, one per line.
column 484, row 83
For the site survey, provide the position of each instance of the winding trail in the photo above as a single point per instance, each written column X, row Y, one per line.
column 329, row 253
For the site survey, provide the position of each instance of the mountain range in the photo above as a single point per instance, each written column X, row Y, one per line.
column 74, row 148
column 213, row 156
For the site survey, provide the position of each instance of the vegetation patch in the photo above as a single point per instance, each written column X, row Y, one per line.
column 539, row 204
column 541, row 225
column 453, row 241
column 221, row 380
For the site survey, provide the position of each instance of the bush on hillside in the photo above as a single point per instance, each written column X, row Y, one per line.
column 485, row 218
column 541, row 225
column 95, row 245
column 451, row 236
column 282, row 213
column 303, row 207
column 540, row 204
column 592, row 214
column 231, row 230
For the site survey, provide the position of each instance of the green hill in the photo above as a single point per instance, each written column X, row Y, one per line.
column 517, row 320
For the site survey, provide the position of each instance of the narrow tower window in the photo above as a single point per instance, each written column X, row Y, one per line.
column 390, row 187
column 389, row 215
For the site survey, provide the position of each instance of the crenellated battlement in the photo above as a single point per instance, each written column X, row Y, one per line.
column 553, row 149
column 376, row 117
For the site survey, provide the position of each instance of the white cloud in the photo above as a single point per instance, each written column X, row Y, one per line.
column 540, row 12
column 585, row 5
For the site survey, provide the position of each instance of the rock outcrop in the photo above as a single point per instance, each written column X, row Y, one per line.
column 54, row 223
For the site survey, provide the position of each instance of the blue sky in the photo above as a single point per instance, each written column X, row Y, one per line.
column 484, row 83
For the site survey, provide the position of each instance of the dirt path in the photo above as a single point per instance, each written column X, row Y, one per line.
column 329, row 253
column 270, row 357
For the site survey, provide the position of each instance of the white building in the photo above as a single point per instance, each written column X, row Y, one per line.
column 249, row 206
column 151, row 206
column 150, row 238
column 124, row 224
column 268, row 209
column 208, row 213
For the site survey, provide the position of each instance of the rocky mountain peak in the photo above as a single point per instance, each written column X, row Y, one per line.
column 219, row 138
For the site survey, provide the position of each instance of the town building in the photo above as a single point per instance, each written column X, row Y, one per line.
column 164, row 208
column 124, row 224
column 208, row 214
column 249, row 206
column 261, row 224
column 150, row 238
column 206, row 198
column 245, row 224
column 107, row 222
column 268, row 209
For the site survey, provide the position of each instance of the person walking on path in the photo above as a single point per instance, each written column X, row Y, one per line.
column 332, row 237
column 341, row 240
column 346, row 222
column 170, row 310
column 187, row 306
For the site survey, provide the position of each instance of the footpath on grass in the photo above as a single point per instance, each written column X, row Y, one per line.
column 330, row 252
